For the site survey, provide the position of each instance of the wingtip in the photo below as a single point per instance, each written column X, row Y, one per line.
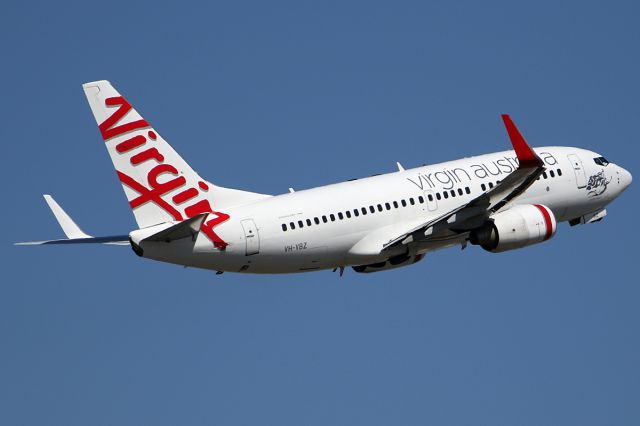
column 526, row 156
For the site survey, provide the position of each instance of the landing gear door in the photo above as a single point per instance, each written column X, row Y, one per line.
column 251, row 236
column 430, row 197
column 578, row 169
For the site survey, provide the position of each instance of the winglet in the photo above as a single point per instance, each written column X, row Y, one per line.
column 67, row 224
column 526, row 156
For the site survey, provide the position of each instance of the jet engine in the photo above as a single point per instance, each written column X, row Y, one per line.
column 391, row 263
column 517, row 227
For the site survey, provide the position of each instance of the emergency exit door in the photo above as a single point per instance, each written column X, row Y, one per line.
column 430, row 197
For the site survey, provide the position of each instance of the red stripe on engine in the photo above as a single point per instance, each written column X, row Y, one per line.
column 547, row 220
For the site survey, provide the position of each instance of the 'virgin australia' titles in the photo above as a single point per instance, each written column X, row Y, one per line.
column 447, row 179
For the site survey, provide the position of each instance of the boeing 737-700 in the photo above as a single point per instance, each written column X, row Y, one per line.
column 501, row 201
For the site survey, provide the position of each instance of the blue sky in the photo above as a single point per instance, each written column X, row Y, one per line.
column 267, row 95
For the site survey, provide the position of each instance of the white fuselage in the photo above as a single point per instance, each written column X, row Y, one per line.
column 501, row 201
column 324, row 227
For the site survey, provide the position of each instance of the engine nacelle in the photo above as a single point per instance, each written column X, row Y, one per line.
column 518, row 227
column 392, row 263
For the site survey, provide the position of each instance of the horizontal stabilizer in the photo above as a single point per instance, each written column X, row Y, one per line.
column 184, row 229
column 69, row 227
column 118, row 240
column 74, row 234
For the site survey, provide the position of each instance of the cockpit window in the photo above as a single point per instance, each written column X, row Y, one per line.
column 601, row 161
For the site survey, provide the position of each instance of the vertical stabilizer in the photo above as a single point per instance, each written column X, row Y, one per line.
column 159, row 185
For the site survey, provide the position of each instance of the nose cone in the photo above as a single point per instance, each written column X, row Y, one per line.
column 625, row 178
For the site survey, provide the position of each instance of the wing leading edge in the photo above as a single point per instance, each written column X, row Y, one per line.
column 530, row 166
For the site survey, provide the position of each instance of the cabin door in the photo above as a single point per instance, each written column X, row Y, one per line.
column 578, row 169
column 251, row 237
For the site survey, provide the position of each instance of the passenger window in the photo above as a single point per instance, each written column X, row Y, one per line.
column 411, row 201
column 333, row 217
column 544, row 175
column 300, row 224
column 292, row 225
column 372, row 209
column 324, row 219
column 453, row 193
column 552, row 174
column 284, row 226
column 559, row 172
column 340, row 216
column 363, row 210
column 484, row 187
column 388, row 206
column 459, row 191
column 430, row 197
column 421, row 199
column 467, row 190
column 490, row 184
column 308, row 222
column 395, row 204
column 316, row 220
column 438, row 196
column 356, row 212
column 379, row 207
column 404, row 203
column 445, row 194
column 348, row 213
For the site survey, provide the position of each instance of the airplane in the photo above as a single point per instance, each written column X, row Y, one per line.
column 500, row 201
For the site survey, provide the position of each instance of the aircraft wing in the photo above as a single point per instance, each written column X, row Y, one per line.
column 472, row 214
